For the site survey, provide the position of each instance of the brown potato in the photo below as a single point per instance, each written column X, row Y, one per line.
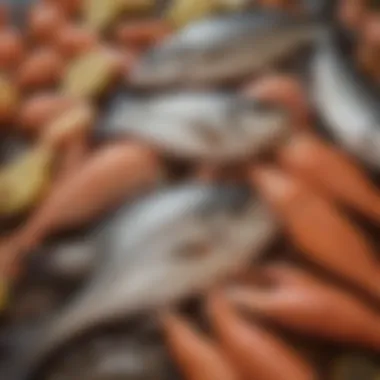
column 73, row 40
column 44, row 20
column 90, row 74
column 8, row 99
column 11, row 48
column 44, row 67
column 142, row 33
column 40, row 109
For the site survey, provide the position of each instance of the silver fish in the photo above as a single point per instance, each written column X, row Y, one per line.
column 349, row 110
column 171, row 246
column 209, row 126
column 223, row 48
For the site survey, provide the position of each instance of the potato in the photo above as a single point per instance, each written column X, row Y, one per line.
column 90, row 74
column 40, row 109
column 24, row 181
column 44, row 67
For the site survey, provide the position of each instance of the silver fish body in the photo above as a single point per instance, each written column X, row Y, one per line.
column 207, row 126
column 223, row 49
column 167, row 248
column 349, row 110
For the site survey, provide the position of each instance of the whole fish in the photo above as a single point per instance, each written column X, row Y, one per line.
column 224, row 48
column 209, row 126
column 172, row 245
column 348, row 108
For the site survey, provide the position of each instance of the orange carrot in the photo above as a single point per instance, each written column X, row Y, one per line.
column 197, row 357
column 318, row 229
column 327, row 168
column 303, row 303
column 256, row 353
